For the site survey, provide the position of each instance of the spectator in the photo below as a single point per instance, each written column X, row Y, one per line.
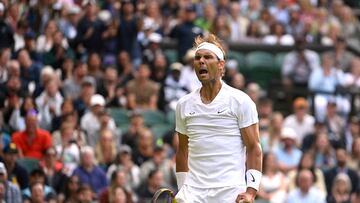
column 300, row 120
column 17, row 118
column 186, row 31
column 72, row 86
column 174, row 88
column 82, row 103
column 341, row 159
column 90, row 28
column 280, row 12
column 30, row 70
column 7, row 34
column 354, row 161
column 52, row 168
column 45, row 41
column 334, row 123
column 307, row 162
column 188, row 74
column 323, row 82
column 238, row 23
column 5, row 55
column 278, row 36
column 93, row 121
column 124, row 163
column 38, row 195
column 136, row 126
column 37, row 176
column 271, row 142
column 105, row 149
column 128, row 30
column 154, row 182
column 265, row 110
column 108, row 85
column 12, row 192
column 50, row 102
column 118, row 180
column 340, row 190
column 342, row 57
column 209, row 15
column 144, row 147
column 305, row 192
column 70, row 191
column 161, row 162
column 350, row 134
column 299, row 64
column 324, row 153
column 15, row 172
column 221, row 27
column 273, row 185
column 33, row 141
column 85, row 194
column 94, row 65
column 90, row 173
column 352, row 78
column 142, row 93
column 288, row 155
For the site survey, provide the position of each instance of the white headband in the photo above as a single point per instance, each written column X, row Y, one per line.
column 211, row 47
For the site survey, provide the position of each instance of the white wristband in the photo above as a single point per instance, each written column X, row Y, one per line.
column 253, row 178
column 180, row 178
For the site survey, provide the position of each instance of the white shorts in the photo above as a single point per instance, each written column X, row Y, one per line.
column 189, row 194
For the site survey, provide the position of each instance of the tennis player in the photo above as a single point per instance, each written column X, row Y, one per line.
column 217, row 127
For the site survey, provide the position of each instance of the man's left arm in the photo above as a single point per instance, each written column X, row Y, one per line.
column 250, row 137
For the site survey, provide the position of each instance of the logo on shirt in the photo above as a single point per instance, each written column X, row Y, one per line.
column 253, row 179
column 192, row 113
column 221, row 111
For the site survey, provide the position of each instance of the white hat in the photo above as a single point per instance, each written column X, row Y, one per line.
column 2, row 168
column 288, row 133
column 74, row 9
column 2, row 7
column 155, row 37
column 176, row 66
column 149, row 23
column 97, row 99
column 105, row 16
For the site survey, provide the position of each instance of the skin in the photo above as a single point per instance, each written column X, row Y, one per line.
column 209, row 70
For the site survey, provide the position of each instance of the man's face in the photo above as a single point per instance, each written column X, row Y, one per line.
column 207, row 66
column 10, row 158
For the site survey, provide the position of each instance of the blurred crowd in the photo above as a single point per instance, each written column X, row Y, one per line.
column 64, row 64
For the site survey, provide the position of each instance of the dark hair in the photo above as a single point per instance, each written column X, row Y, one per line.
column 311, row 169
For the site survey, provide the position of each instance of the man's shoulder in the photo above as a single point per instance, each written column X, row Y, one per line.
column 43, row 133
column 238, row 95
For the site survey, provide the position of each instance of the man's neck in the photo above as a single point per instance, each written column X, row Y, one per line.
column 209, row 91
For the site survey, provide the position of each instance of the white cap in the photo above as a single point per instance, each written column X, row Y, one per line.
column 155, row 37
column 97, row 99
column 2, row 7
column 149, row 23
column 74, row 9
column 104, row 16
column 2, row 168
column 288, row 133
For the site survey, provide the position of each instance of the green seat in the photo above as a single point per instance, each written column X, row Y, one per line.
column 239, row 57
column 170, row 117
column 28, row 163
column 259, row 59
column 261, row 67
column 120, row 116
column 171, row 55
column 152, row 118
column 279, row 60
column 159, row 130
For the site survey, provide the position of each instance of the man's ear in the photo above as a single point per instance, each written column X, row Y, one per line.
column 222, row 67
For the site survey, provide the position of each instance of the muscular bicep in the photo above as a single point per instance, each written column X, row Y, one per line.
column 250, row 137
column 183, row 142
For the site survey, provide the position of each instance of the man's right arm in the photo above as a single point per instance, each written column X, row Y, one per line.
column 181, row 159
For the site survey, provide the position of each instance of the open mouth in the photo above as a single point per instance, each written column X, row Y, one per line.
column 203, row 71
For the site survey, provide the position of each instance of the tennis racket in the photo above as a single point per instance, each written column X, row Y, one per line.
column 163, row 195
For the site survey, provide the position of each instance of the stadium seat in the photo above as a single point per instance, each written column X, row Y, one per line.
column 170, row 117
column 120, row 116
column 259, row 59
column 239, row 57
column 28, row 163
column 152, row 118
column 159, row 130
column 171, row 55
column 279, row 60
column 261, row 67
